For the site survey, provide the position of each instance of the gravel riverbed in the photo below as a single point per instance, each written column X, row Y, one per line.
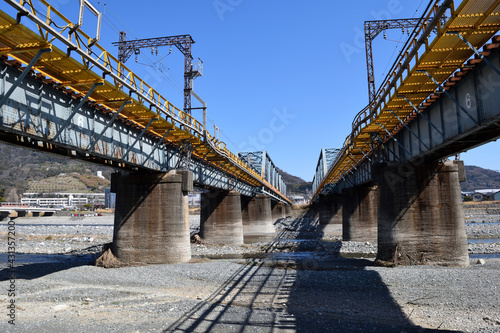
column 299, row 282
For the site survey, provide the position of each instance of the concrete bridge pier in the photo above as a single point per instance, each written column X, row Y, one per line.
column 277, row 210
column 257, row 216
column 220, row 218
column 359, row 214
column 288, row 210
column 152, row 217
column 329, row 208
column 420, row 217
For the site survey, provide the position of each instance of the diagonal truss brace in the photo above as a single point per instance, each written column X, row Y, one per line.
column 23, row 75
column 76, row 109
column 138, row 138
column 92, row 144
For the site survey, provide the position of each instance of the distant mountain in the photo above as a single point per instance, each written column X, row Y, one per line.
column 479, row 178
column 295, row 185
column 19, row 166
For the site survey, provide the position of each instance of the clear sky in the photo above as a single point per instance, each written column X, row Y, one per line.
column 287, row 76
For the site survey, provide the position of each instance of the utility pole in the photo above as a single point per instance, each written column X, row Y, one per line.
column 182, row 42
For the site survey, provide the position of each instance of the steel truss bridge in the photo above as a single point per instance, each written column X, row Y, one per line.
column 64, row 93
column 440, row 98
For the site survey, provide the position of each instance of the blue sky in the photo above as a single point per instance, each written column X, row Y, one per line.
column 287, row 76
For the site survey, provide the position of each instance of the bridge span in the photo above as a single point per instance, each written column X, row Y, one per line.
column 393, row 182
column 63, row 93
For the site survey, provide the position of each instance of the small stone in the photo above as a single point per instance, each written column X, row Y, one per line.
column 59, row 307
column 480, row 262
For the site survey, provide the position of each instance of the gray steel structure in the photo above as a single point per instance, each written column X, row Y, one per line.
column 182, row 42
column 261, row 162
column 326, row 158
column 464, row 117
column 37, row 115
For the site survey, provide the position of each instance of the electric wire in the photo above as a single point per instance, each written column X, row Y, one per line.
column 174, row 84
column 114, row 27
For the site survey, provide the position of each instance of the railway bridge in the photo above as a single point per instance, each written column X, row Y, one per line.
column 396, row 179
column 61, row 92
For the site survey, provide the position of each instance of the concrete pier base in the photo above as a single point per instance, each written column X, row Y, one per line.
column 151, row 218
column 256, row 215
column 288, row 210
column 359, row 214
column 277, row 210
column 220, row 218
column 329, row 209
column 420, row 216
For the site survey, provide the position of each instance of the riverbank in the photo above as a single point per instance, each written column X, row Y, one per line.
column 298, row 282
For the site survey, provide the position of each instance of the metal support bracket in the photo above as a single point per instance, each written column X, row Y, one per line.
column 386, row 146
column 395, row 140
column 108, row 125
column 409, row 129
column 137, row 139
column 23, row 75
column 482, row 57
column 364, row 154
column 157, row 145
column 76, row 109
column 441, row 89
column 423, row 116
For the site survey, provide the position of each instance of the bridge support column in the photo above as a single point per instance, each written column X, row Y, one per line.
column 420, row 217
column 329, row 209
column 151, row 217
column 359, row 215
column 257, row 216
column 288, row 210
column 277, row 210
column 220, row 218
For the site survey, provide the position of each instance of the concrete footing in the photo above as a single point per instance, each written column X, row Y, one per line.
column 420, row 216
column 221, row 218
column 257, row 216
column 329, row 209
column 288, row 210
column 151, row 218
column 359, row 214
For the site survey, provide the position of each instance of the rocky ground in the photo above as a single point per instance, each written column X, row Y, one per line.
column 295, row 283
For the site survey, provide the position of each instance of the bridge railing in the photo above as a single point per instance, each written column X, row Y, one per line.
column 95, row 57
column 474, row 17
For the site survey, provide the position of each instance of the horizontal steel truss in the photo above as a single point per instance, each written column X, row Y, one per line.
column 261, row 162
column 326, row 158
column 36, row 115
column 465, row 117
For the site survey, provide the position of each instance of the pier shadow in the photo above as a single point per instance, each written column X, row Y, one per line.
column 33, row 266
column 309, row 290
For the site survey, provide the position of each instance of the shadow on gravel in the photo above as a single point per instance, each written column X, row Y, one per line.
column 299, row 292
column 47, row 264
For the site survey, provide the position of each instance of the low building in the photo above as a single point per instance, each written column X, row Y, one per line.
column 298, row 200
column 109, row 199
column 63, row 200
column 486, row 195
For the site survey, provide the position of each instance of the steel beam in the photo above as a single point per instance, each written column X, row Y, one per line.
column 76, row 109
column 23, row 75
column 108, row 125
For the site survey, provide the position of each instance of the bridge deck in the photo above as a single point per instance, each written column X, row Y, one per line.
column 476, row 20
column 19, row 43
